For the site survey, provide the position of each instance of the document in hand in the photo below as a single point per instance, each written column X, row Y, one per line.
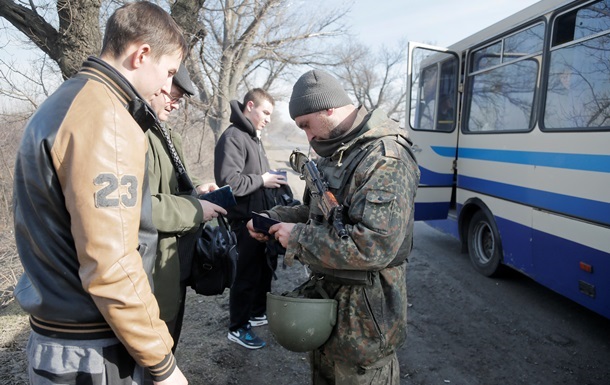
column 222, row 197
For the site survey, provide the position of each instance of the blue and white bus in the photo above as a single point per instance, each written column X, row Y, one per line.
column 512, row 134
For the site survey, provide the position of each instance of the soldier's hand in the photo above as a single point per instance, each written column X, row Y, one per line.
column 281, row 232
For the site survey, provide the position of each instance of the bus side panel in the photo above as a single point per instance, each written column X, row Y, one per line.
column 430, row 210
column 517, row 253
column 448, row 226
column 433, row 197
column 552, row 251
column 573, row 259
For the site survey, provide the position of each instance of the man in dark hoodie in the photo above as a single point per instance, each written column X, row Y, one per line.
column 240, row 162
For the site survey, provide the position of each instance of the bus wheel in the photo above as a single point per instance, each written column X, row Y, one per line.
column 484, row 244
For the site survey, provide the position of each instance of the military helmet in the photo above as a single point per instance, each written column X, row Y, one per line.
column 301, row 324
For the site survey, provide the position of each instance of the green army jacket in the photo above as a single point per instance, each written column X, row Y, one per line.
column 173, row 215
column 379, row 204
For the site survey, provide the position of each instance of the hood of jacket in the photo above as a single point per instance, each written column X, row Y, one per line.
column 239, row 120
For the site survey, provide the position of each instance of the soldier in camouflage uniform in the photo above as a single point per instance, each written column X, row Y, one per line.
column 366, row 159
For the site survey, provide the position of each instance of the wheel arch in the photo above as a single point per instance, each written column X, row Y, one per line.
column 469, row 208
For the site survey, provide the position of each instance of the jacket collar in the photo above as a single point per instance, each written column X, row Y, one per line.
column 98, row 70
column 370, row 126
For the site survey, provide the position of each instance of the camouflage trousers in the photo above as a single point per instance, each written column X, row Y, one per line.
column 327, row 372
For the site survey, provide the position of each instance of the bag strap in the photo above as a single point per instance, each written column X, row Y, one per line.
column 184, row 181
column 224, row 229
column 312, row 288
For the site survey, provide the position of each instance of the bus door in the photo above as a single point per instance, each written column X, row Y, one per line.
column 432, row 116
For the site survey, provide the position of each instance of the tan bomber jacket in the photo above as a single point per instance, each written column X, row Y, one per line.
column 83, row 220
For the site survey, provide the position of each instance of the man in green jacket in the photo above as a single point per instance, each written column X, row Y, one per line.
column 173, row 215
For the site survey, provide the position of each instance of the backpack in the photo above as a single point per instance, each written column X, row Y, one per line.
column 214, row 262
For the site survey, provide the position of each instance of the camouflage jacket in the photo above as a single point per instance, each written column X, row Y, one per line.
column 378, row 198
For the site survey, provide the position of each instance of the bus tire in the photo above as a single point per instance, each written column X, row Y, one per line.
column 484, row 246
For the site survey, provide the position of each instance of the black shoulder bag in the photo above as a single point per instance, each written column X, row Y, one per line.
column 208, row 256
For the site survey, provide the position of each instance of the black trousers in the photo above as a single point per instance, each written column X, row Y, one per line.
column 248, row 296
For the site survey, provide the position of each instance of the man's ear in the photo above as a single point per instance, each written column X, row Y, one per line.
column 140, row 55
column 250, row 105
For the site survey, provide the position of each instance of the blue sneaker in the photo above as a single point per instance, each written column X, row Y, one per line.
column 259, row 321
column 246, row 338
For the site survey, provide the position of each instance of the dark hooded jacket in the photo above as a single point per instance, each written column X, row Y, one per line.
column 239, row 161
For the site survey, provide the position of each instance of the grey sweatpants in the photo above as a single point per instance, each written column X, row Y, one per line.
column 96, row 362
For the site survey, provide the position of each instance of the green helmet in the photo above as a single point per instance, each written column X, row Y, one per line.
column 301, row 324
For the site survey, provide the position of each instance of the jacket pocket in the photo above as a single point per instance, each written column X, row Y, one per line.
column 379, row 210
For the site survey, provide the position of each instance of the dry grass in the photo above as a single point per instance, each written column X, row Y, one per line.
column 10, row 267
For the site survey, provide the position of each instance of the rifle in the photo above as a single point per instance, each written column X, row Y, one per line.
column 331, row 209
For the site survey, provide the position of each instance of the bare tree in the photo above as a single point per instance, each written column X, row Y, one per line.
column 76, row 37
column 250, row 43
column 235, row 44
column 377, row 80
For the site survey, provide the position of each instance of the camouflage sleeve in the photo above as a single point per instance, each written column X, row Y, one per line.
column 290, row 214
column 380, row 200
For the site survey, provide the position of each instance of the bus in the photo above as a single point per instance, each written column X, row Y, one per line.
column 511, row 130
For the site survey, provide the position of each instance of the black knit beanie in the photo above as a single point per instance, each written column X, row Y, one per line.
column 316, row 91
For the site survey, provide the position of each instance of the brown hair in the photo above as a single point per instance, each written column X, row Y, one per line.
column 257, row 95
column 143, row 22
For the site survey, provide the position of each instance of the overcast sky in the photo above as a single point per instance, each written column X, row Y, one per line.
column 442, row 22
column 376, row 22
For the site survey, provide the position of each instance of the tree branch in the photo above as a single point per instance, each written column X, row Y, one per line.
column 32, row 25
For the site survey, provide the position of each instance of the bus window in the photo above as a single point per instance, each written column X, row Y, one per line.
column 523, row 43
column 579, row 24
column 501, row 98
column 446, row 113
column 487, row 57
column 578, row 87
column 433, row 106
column 427, row 102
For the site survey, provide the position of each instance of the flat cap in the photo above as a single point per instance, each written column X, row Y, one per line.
column 183, row 80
